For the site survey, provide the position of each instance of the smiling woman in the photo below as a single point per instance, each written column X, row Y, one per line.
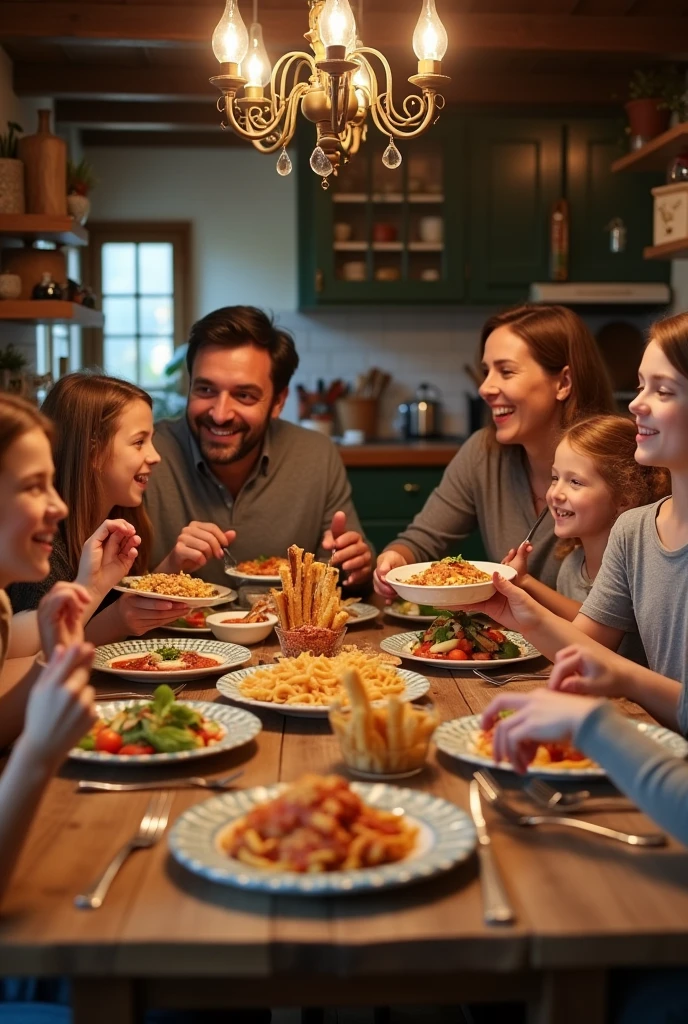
column 542, row 371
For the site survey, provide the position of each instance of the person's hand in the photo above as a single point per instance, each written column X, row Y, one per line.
column 350, row 553
column 510, row 606
column 196, row 545
column 139, row 614
column 517, row 558
column 107, row 556
column 386, row 561
column 577, row 669
column 538, row 717
column 60, row 616
column 60, row 708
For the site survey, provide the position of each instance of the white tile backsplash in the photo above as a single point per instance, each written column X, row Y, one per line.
column 413, row 345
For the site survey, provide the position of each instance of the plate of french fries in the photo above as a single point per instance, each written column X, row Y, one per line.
column 382, row 741
column 308, row 685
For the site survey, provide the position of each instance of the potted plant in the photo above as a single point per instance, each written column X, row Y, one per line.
column 80, row 181
column 654, row 95
column 11, row 171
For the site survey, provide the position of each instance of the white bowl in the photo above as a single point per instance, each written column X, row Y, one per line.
column 445, row 596
column 238, row 632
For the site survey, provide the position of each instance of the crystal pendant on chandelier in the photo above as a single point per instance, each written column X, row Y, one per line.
column 392, row 157
column 320, row 162
column 284, row 164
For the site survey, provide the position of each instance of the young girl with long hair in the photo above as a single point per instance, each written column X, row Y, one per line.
column 55, row 704
column 543, row 371
column 644, row 574
column 595, row 477
column 104, row 456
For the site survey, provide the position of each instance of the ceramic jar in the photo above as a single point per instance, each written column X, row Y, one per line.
column 45, row 169
column 78, row 207
column 10, row 286
column 11, row 186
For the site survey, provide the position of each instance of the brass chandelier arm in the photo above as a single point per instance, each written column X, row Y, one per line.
column 387, row 127
column 253, row 124
column 271, row 145
column 383, row 99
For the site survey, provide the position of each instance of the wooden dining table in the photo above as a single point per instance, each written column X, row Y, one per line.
column 165, row 937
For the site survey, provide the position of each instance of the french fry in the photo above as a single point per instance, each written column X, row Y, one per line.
column 288, row 591
column 295, row 554
column 280, row 600
column 307, row 582
column 395, row 730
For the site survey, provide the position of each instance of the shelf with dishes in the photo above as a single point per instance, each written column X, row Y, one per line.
column 416, row 198
column 33, row 227
column 388, row 246
column 658, row 153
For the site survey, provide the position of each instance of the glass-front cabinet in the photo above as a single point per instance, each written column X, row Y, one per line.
column 380, row 234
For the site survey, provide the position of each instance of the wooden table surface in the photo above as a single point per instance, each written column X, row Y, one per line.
column 583, row 904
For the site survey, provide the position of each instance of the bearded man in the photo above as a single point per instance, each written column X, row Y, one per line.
column 237, row 474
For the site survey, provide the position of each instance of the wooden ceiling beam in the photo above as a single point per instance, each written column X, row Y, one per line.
column 198, row 105
column 139, row 139
column 194, row 23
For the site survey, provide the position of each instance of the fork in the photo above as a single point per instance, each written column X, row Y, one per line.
column 531, row 531
column 493, row 794
column 130, row 694
column 501, row 680
column 153, row 825
column 230, row 561
column 85, row 786
column 551, row 798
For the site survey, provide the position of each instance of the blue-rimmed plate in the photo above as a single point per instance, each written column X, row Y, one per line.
column 361, row 612
column 240, row 727
column 446, row 837
column 399, row 643
column 230, row 686
column 110, row 657
column 457, row 738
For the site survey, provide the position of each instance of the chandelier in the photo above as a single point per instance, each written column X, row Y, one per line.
column 336, row 87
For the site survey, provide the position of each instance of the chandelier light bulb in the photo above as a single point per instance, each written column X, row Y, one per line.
column 337, row 24
column 257, row 68
column 430, row 36
column 230, row 38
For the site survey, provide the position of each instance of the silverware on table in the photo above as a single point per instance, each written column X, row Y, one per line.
column 222, row 782
column 152, row 827
column 531, row 531
column 493, row 794
column 133, row 695
column 229, row 559
column 496, row 680
column 496, row 906
column 549, row 797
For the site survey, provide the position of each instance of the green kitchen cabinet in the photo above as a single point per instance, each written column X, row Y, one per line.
column 515, row 177
column 380, row 236
column 387, row 499
column 597, row 198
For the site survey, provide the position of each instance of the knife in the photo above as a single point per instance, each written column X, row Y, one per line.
column 496, row 906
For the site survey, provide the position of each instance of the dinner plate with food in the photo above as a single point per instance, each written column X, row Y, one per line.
column 309, row 685
column 410, row 611
column 447, row 583
column 169, row 658
column 465, row 739
column 164, row 730
column 359, row 611
column 460, row 641
column 194, row 622
column 178, row 587
column 264, row 569
column 246, row 838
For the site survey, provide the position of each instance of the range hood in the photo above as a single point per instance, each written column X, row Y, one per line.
column 612, row 294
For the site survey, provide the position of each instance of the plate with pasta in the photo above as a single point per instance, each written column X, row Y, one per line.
column 178, row 587
column 370, row 836
column 263, row 569
column 465, row 739
column 169, row 658
column 448, row 583
column 307, row 686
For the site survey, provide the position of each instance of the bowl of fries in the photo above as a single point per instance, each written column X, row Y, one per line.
column 389, row 740
column 311, row 616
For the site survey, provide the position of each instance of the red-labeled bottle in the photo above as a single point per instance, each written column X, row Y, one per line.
column 559, row 241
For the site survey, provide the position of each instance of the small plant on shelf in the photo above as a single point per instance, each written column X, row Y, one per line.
column 654, row 95
column 8, row 141
column 12, row 359
column 80, row 181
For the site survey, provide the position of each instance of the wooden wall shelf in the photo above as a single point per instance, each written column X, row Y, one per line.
column 35, row 226
column 656, row 154
column 50, row 311
column 669, row 251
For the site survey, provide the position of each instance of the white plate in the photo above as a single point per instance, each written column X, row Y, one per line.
column 416, row 686
column 222, row 595
column 229, row 655
column 367, row 612
column 189, row 630
column 447, row 596
column 446, row 838
column 394, row 613
column 245, row 577
column 398, row 644
column 457, row 738
column 240, row 727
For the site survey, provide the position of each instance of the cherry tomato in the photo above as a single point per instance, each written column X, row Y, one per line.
column 109, row 741
column 466, row 645
column 457, row 655
column 424, row 650
column 495, row 635
column 481, row 656
column 136, row 748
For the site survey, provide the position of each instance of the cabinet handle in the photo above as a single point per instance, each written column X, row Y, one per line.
column 412, row 488
column 319, row 281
